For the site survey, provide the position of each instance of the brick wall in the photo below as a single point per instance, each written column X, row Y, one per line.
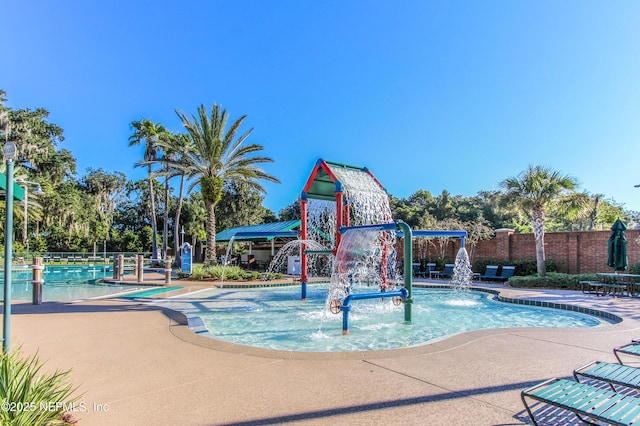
column 573, row 252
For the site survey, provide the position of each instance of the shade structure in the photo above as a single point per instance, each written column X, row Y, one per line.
column 617, row 247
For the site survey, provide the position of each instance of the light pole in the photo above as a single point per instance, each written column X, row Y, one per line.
column 38, row 190
column 9, row 152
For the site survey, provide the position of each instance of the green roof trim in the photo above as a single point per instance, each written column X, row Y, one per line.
column 259, row 233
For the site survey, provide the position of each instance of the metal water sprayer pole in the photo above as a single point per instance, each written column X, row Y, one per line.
column 408, row 268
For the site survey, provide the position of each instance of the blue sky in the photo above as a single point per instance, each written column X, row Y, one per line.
column 433, row 95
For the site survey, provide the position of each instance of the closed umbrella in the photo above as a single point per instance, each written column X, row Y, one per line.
column 617, row 247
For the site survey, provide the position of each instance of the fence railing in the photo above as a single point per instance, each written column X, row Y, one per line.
column 75, row 257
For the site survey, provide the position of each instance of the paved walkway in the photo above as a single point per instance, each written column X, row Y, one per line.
column 137, row 364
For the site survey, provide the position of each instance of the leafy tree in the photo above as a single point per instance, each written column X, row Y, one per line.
column 107, row 190
column 290, row 212
column 240, row 205
column 58, row 167
column 476, row 231
column 218, row 157
column 34, row 136
column 536, row 191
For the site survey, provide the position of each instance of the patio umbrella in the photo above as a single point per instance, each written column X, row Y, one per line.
column 617, row 247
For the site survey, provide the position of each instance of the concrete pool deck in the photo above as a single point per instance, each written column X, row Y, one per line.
column 138, row 364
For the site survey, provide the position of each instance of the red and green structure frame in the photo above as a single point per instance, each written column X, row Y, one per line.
column 323, row 184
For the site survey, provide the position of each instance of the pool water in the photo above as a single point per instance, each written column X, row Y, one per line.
column 278, row 319
column 65, row 283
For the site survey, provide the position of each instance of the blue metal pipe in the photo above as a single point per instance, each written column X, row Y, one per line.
column 443, row 233
column 378, row 227
column 346, row 304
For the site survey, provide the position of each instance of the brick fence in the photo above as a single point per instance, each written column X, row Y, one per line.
column 574, row 252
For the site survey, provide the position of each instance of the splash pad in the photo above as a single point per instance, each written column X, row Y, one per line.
column 353, row 223
column 347, row 233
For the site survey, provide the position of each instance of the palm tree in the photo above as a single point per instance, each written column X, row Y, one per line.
column 537, row 191
column 147, row 132
column 218, row 156
column 175, row 148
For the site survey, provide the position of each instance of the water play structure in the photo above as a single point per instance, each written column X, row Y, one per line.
column 350, row 202
column 347, row 233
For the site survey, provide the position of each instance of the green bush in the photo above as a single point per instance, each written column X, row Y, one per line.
column 552, row 280
column 217, row 272
column 634, row 268
column 30, row 397
column 272, row 276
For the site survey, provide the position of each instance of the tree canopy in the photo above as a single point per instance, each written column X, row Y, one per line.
column 77, row 211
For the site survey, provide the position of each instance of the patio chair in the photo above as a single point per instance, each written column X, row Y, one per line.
column 632, row 348
column 584, row 401
column 610, row 373
column 416, row 269
column 490, row 273
column 448, row 271
column 428, row 268
column 507, row 272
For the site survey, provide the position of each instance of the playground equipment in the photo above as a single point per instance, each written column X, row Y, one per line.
column 404, row 293
column 331, row 181
column 360, row 204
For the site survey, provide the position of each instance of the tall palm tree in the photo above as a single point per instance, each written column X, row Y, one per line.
column 175, row 148
column 148, row 132
column 537, row 191
column 218, row 156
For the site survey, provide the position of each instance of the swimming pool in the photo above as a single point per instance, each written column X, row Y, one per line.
column 65, row 283
column 278, row 319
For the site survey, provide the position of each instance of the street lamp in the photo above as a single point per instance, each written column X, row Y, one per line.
column 38, row 190
column 9, row 152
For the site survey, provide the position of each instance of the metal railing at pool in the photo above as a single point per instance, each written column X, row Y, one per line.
column 76, row 257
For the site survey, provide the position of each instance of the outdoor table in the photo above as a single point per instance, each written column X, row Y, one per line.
column 617, row 283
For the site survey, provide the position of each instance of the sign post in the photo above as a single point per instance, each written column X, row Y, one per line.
column 186, row 258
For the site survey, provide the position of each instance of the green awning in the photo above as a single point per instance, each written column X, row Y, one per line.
column 259, row 233
column 18, row 191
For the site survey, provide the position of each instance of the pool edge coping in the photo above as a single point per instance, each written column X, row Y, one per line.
column 201, row 336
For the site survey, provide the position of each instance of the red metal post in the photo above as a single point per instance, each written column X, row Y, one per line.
column 303, row 256
column 339, row 223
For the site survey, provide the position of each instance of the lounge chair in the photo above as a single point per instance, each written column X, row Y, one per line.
column 584, row 401
column 632, row 348
column 506, row 273
column 429, row 267
column 448, row 271
column 611, row 373
column 490, row 273
column 416, row 269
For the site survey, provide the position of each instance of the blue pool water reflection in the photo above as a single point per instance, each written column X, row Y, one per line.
column 64, row 283
column 278, row 319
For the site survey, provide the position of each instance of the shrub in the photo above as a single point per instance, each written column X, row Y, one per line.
column 634, row 268
column 272, row 276
column 38, row 398
column 552, row 280
column 217, row 272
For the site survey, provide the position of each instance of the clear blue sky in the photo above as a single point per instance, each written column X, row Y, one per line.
column 433, row 95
